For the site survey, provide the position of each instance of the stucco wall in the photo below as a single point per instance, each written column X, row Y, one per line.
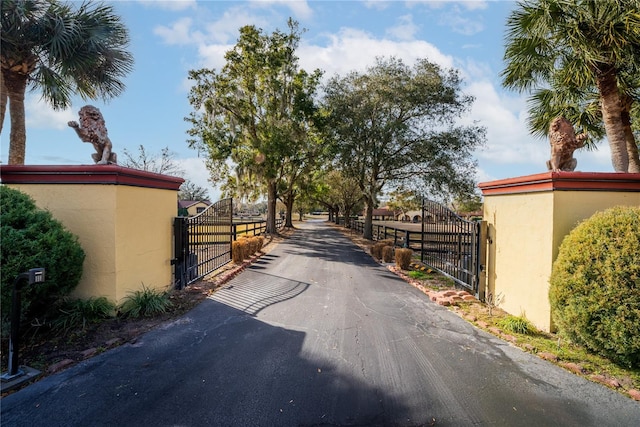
column 123, row 220
column 520, row 227
column 528, row 217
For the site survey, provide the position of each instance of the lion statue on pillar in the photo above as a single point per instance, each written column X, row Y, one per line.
column 92, row 129
column 563, row 142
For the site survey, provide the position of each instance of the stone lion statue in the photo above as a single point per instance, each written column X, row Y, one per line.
column 92, row 129
column 563, row 142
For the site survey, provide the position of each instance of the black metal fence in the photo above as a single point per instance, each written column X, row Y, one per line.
column 453, row 245
column 446, row 242
column 253, row 228
column 202, row 243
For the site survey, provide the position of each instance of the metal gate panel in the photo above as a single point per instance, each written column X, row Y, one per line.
column 202, row 242
column 452, row 246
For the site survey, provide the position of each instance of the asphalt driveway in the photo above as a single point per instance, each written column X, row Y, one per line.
column 317, row 333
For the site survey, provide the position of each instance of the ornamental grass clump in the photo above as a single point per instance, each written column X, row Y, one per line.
column 387, row 254
column 254, row 244
column 517, row 325
column 76, row 314
column 376, row 249
column 238, row 251
column 595, row 285
column 145, row 303
column 403, row 258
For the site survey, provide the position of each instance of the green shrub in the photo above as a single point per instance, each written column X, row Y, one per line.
column 32, row 238
column 78, row 313
column 517, row 325
column 145, row 303
column 595, row 285
column 403, row 258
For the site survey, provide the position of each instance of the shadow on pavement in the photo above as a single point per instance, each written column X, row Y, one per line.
column 217, row 366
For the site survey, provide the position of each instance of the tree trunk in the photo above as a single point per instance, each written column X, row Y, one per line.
column 611, row 115
column 632, row 145
column 271, row 207
column 347, row 217
column 368, row 219
column 16, row 85
column 288, row 222
column 3, row 100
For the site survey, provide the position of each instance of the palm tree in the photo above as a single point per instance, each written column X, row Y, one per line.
column 46, row 44
column 578, row 48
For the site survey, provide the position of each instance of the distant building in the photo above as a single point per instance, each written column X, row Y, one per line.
column 192, row 207
column 409, row 216
column 383, row 214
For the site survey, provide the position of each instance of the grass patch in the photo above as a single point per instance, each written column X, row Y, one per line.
column 516, row 325
column 145, row 303
column 421, row 275
column 79, row 313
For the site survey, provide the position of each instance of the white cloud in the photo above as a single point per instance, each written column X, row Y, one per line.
column 174, row 5
column 596, row 160
column 213, row 55
column 178, row 33
column 508, row 141
column 355, row 50
column 226, row 28
column 39, row 114
column 300, row 8
column 404, row 30
column 439, row 4
column 197, row 172
column 455, row 20
column 376, row 4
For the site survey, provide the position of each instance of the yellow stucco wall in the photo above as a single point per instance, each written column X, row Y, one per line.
column 525, row 233
column 125, row 231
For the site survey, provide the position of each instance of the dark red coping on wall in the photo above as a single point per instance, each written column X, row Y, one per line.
column 563, row 181
column 87, row 174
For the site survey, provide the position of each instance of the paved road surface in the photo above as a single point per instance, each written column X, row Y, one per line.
column 316, row 333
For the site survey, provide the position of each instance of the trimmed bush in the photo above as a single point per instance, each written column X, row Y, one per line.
column 403, row 258
column 32, row 238
column 595, row 285
column 260, row 240
column 238, row 251
column 387, row 254
column 254, row 245
column 376, row 249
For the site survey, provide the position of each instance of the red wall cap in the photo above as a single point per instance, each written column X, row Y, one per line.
column 87, row 174
column 563, row 181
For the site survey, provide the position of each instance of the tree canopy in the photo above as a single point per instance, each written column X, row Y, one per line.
column 400, row 124
column 258, row 111
column 580, row 59
column 62, row 51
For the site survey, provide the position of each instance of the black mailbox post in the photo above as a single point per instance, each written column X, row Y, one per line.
column 33, row 276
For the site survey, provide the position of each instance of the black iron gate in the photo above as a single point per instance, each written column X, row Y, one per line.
column 202, row 242
column 453, row 246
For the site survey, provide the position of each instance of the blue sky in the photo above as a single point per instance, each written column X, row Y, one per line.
column 169, row 38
